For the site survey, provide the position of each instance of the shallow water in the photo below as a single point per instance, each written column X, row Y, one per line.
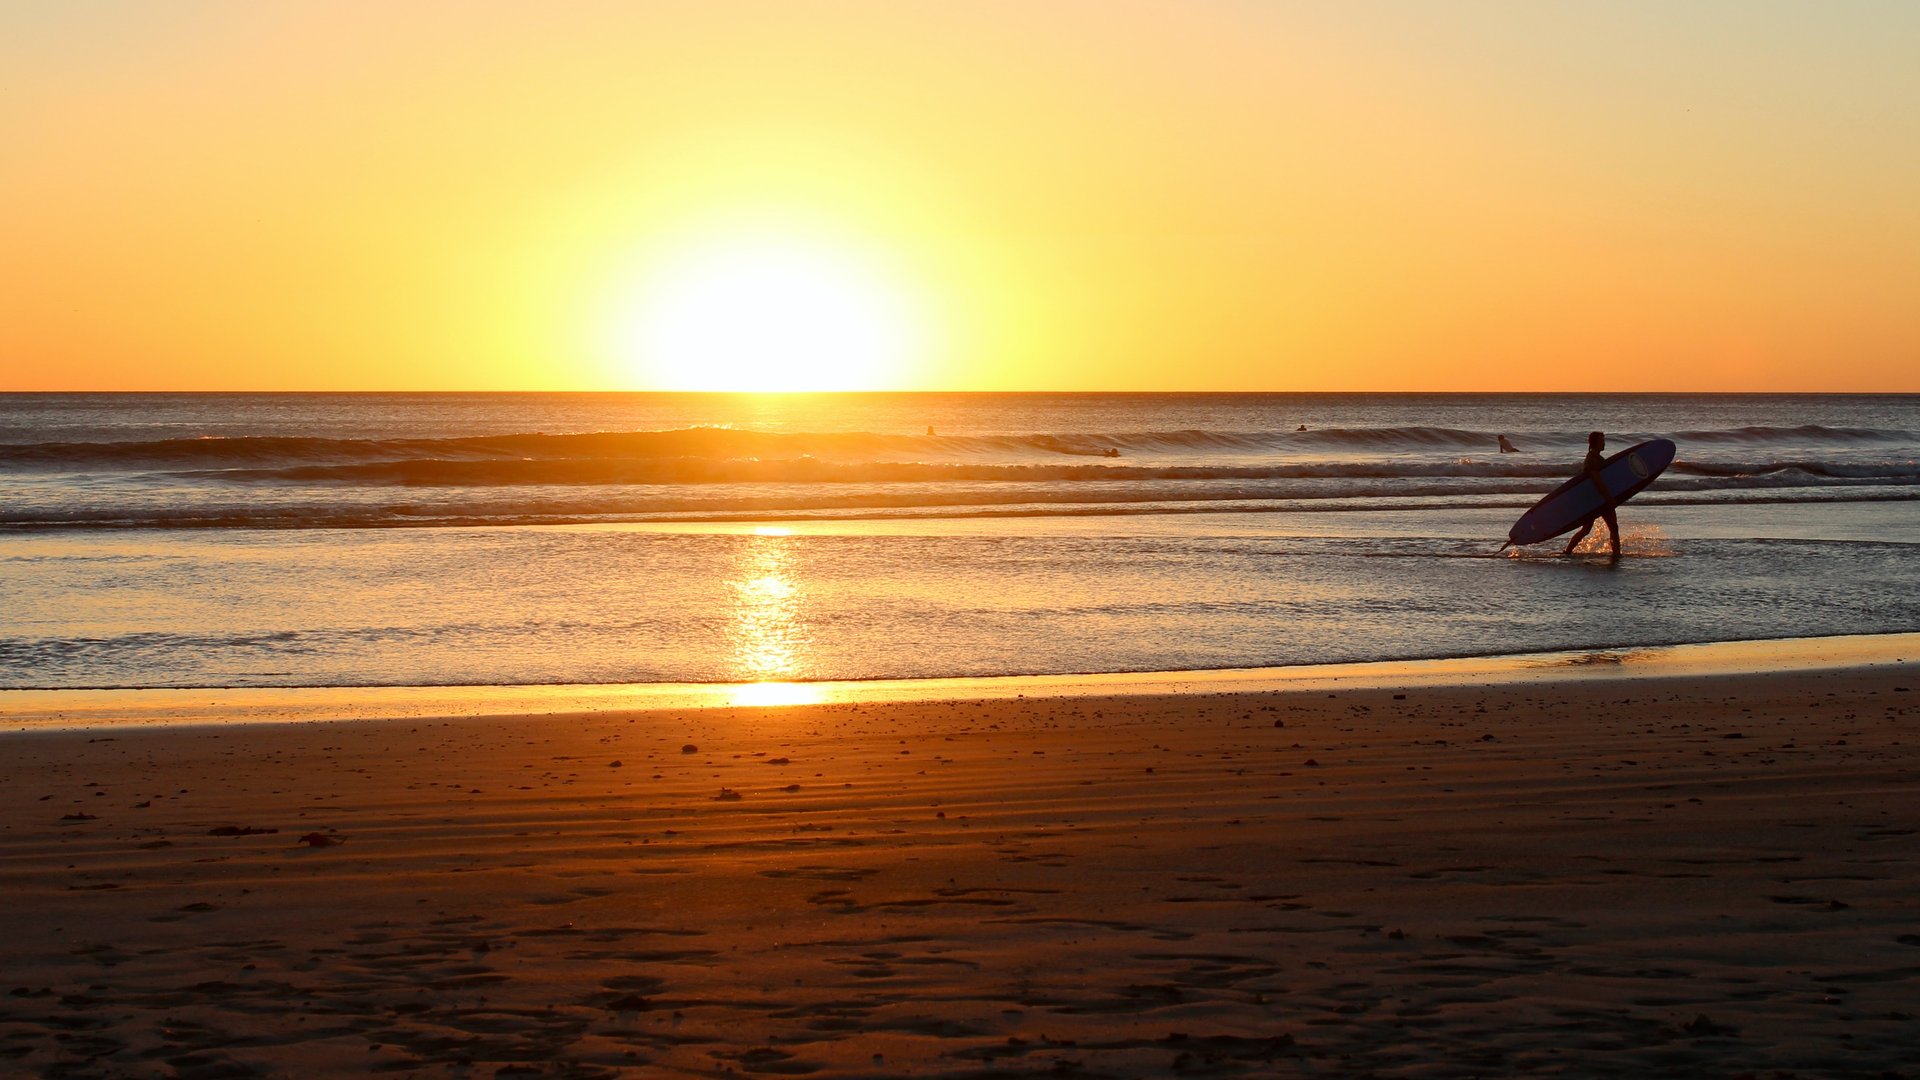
column 139, row 553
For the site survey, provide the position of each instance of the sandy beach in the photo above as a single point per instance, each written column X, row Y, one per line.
column 1680, row 875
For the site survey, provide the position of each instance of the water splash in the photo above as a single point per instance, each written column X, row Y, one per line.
column 1636, row 541
column 1639, row 541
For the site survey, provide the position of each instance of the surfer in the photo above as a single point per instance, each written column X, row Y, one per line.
column 1507, row 447
column 1596, row 444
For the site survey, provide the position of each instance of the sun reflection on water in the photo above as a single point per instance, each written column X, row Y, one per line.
column 769, row 638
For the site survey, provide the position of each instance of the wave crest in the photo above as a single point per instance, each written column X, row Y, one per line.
column 710, row 443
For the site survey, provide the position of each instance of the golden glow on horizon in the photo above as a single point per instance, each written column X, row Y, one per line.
column 1073, row 195
column 762, row 313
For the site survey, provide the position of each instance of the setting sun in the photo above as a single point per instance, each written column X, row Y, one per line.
column 768, row 313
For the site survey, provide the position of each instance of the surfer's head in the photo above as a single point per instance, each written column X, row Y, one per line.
column 1596, row 440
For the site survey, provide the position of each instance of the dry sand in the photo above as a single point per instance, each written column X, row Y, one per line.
column 1637, row 877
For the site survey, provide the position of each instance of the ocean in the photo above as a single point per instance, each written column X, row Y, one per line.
column 224, row 540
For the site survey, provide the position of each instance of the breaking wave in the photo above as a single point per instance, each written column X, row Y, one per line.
column 723, row 443
column 710, row 443
column 272, row 481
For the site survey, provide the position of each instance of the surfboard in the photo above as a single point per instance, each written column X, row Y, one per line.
column 1566, row 507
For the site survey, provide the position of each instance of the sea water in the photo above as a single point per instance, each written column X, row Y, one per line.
column 488, row 539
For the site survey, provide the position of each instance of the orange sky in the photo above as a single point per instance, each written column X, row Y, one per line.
column 1102, row 196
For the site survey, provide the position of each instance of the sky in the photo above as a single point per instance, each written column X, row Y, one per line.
column 978, row 195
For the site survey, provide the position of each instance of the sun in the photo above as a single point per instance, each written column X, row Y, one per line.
column 769, row 313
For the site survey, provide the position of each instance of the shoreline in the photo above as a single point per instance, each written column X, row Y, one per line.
column 45, row 710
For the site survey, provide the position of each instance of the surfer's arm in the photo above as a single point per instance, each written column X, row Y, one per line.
column 1606, row 493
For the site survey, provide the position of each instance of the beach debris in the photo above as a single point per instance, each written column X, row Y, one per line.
column 239, row 830
column 314, row 839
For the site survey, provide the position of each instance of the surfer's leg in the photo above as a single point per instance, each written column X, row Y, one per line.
column 1613, row 530
column 1579, row 536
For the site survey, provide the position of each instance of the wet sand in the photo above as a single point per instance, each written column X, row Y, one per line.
column 1681, row 875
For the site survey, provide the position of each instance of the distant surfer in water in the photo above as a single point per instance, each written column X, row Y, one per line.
column 1596, row 458
column 1507, row 447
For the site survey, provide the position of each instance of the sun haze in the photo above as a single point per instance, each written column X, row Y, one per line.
column 765, row 312
column 1114, row 196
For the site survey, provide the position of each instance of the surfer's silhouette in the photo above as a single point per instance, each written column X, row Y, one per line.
column 1596, row 458
column 1507, row 447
